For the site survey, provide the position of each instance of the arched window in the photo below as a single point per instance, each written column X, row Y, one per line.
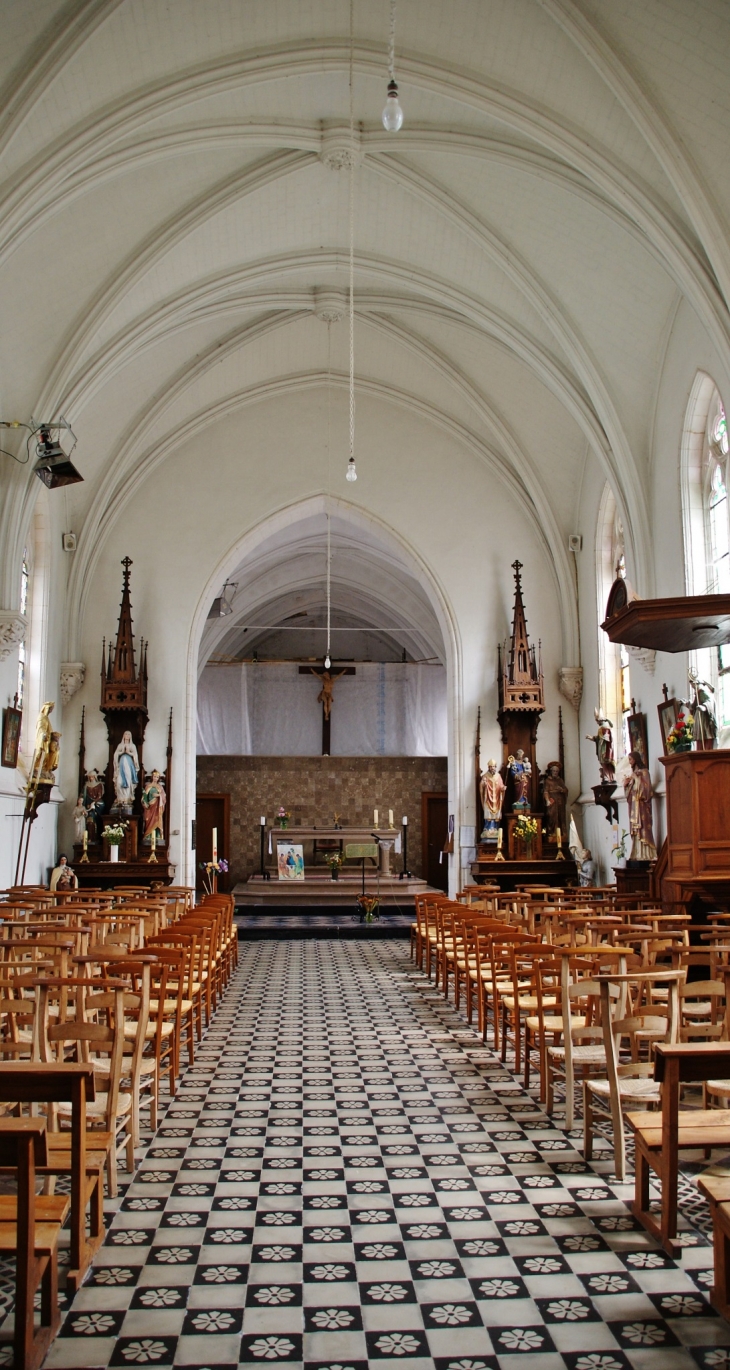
column 706, row 518
column 614, row 665
column 24, row 583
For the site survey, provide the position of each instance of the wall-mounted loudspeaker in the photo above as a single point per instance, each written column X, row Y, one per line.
column 575, row 542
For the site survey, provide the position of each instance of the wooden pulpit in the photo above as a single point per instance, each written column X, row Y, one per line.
column 696, row 860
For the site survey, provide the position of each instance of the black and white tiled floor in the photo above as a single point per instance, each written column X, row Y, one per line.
column 348, row 1178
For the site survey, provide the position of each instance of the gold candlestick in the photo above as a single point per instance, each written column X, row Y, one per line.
column 85, row 855
column 153, row 858
column 499, row 856
column 559, row 856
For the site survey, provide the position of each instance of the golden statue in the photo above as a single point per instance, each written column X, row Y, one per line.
column 44, row 747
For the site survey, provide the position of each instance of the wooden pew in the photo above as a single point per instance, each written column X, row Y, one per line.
column 716, row 1188
column 659, row 1139
column 33, row 1238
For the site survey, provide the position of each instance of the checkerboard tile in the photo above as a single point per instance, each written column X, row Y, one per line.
column 349, row 1177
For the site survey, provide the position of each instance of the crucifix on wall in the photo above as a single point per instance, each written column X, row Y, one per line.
column 325, row 696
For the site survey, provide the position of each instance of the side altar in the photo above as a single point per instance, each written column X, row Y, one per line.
column 392, row 888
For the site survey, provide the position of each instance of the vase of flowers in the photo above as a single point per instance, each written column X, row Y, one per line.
column 115, row 835
column 526, row 829
column 368, row 906
column 211, row 870
column 681, row 736
column 283, row 817
column 335, row 862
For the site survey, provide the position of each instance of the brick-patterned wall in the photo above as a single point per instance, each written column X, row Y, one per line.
column 313, row 788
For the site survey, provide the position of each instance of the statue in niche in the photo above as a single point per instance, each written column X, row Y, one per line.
column 491, row 790
column 126, row 773
column 603, row 742
column 154, row 801
column 555, row 799
column 93, row 799
column 637, row 789
column 325, row 695
column 521, row 771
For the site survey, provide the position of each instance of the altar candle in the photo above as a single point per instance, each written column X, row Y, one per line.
column 390, row 818
column 405, row 820
column 558, row 837
column 375, row 818
column 262, row 820
column 86, row 840
column 215, row 844
column 499, row 839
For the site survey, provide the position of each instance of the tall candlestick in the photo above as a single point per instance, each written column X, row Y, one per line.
column 499, row 856
column 85, row 856
column 559, row 853
column 215, row 844
column 375, row 818
column 153, row 858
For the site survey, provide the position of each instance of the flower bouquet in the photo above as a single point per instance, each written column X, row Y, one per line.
column 681, row 736
column 211, row 870
column 619, row 846
column 283, row 817
column 368, row 906
column 526, row 829
column 115, row 835
column 335, row 862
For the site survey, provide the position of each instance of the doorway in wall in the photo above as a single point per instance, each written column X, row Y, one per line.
column 212, row 811
column 434, row 827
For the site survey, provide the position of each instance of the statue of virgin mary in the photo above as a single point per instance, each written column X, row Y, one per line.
column 126, row 771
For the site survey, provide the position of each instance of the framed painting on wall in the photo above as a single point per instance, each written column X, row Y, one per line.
column 668, row 712
column 636, row 724
column 12, row 719
column 290, row 860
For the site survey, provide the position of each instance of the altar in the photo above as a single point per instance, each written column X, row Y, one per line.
column 336, row 839
column 393, row 888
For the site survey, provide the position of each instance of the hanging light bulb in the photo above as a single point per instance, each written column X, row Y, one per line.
column 351, row 473
column 327, row 662
column 392, row 114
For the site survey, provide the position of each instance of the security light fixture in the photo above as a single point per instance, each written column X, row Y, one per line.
column 54, row 466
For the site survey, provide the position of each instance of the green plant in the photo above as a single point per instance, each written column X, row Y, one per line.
column 115, row 834
column 619, row 846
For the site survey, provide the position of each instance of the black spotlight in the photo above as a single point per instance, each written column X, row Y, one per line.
column 53, row 466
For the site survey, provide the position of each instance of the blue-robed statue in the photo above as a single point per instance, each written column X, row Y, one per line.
column 126, row 772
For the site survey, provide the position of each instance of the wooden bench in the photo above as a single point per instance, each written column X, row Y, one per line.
column 660, row 1138
column 28, row 1230
column 76, row 1153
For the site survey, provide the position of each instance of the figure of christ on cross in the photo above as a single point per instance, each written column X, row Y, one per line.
column 325, row 696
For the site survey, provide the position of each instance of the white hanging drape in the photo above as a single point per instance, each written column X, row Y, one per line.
column 383, row 710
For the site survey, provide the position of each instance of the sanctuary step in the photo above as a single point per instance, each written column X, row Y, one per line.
column 255, row 925
column 319, row 889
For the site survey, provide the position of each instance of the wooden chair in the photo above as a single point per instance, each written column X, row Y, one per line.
column 33, row 1239
column 582, row 1052
column 34, row 1083
column 716, row 1190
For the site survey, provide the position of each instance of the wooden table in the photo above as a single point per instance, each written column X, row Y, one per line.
column 658, row 1144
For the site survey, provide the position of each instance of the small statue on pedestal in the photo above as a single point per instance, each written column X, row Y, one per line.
column 521, row 770
column 637, row 789
column 154, row 801
column 93, row 799
column 603, row 741
column 555, row 798
column 704, row 718
column 491, row 789
column 79, row 818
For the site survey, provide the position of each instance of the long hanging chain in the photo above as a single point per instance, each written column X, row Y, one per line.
column 391, row 44
column 352, row 235
column 329, row 585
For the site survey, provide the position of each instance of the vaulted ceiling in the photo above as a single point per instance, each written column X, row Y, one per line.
column 174, row 226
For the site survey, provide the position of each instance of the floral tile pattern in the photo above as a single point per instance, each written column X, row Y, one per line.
column 349, row 1177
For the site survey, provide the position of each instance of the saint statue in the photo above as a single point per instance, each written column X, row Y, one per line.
column 587, row 870
column 79, row 818
column 521, row 771
column 325, row 695
column 154, row 800
column 43, row 740
column 703, row 712
column 603, row 741
column 50, row 760
column 62, row 876
column 93, row 798
column 555, row 799
column 637, row 789
column 491, row 790
column 126, row 772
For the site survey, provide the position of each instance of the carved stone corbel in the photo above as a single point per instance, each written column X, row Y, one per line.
column 571, row 684
column 644, row 656
column 12, row 631
column 71, row 675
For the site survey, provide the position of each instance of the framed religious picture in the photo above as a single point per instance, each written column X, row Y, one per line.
column 290, row 860
column 636, row 724
column 12, row 719
column 668, row 712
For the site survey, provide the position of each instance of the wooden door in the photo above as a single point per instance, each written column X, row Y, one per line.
column 435, row 828
column 212, row 811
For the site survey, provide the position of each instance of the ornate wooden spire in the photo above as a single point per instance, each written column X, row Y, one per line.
column 520, row 681
column 122, row 686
